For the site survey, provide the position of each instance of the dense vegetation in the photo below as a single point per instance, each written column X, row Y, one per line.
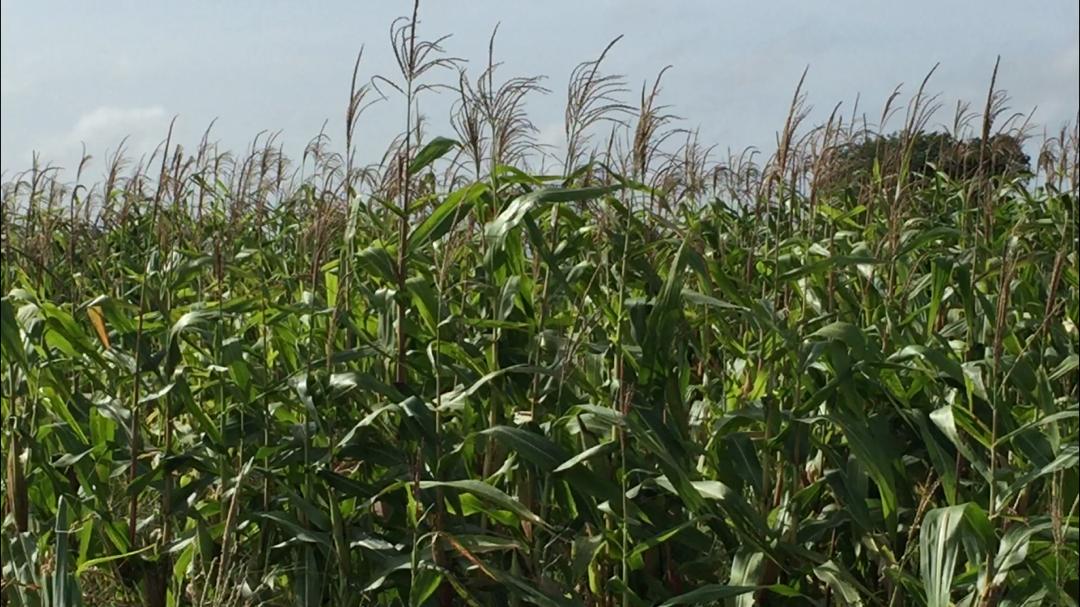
column 1002, row 156
column 643, row 377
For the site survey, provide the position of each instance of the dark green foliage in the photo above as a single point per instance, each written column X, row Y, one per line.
column 1001, row 157
column 429, row 383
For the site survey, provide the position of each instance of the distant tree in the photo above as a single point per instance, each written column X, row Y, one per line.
column 1003, row 156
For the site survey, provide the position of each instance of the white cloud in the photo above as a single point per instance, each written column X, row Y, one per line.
column 1068, row 62
column 552, row 135
column 110, row 124
column 103, row 128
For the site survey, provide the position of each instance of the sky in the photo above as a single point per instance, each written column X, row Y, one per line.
column 75, row 73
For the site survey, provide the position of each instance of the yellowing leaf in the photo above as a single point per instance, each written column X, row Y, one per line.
column 96, row 319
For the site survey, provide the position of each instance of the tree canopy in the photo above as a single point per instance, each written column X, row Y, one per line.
column 1002, row 156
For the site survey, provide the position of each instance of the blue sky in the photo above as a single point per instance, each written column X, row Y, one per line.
column 92, row 72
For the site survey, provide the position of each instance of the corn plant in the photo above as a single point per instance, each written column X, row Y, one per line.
column 646, row 377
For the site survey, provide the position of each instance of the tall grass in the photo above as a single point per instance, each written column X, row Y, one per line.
column 458, row 376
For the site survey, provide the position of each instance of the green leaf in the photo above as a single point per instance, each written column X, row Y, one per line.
column 1070, row 363
column 1014, row 549
column 490, row 494
column 837, row 261
column 597, row 449
column 511, row 216
column 846, row 333
column 65, row 590
column 456, row 206
column 1067, row 458
column 941, row 274
column 432, row 151
column 641, row 547
column 745, row 571
column 529, row 591
column 425, row 581
column 846, row 589
column 584, row 550
column 91, row 563
column 535, row 448
column 871, row 448
column 11, row 341
column 943, row 531
column 297, row 531
column 709, row 592
column 458, row 397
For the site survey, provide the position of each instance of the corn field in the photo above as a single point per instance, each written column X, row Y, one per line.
column 485, row 372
